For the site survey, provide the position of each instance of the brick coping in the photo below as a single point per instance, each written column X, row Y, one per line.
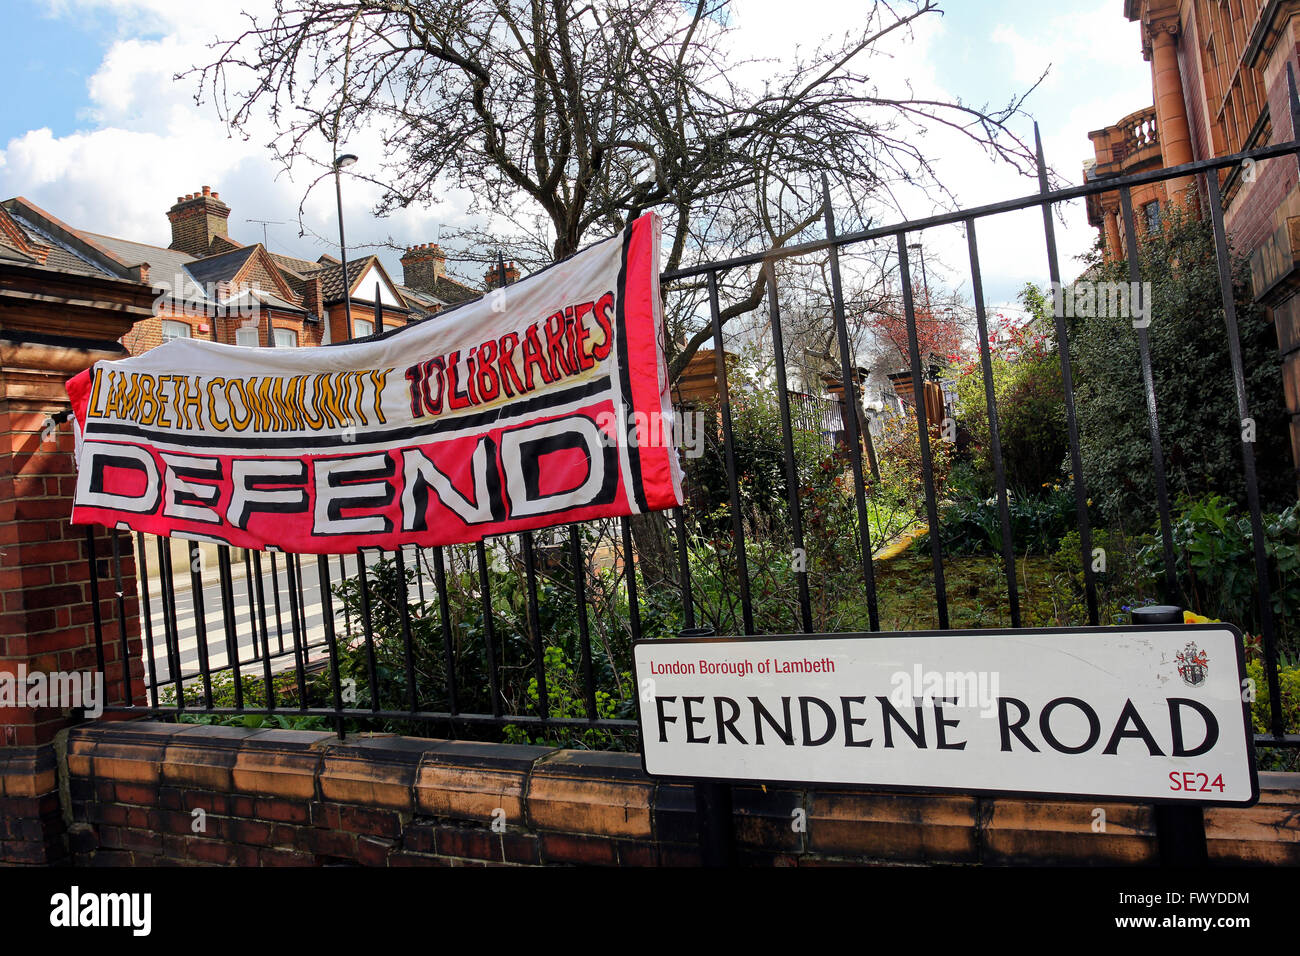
column 305, row 797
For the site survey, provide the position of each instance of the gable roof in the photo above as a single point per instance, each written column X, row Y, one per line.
column 331, row 280
column 265, row 299
column 28, row 232
column 222, row 267
column 64, row 249
column 17, row 244
column 10, row 254
column 283, row 289
column 222, row 244
column 420, row 300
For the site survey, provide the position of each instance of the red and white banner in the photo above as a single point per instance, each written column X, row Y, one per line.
column 539, row 404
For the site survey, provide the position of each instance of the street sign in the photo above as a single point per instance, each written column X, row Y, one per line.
column 1147, row 713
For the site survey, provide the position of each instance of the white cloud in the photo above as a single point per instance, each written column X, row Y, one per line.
column 145, row 141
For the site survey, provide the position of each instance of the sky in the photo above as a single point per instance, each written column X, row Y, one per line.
column 95, row 129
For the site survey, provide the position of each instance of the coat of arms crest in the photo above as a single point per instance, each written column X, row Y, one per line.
column 1193, row 665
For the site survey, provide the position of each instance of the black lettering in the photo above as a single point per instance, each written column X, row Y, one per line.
column 891, row 716
column 1045, row 725
column 785, row 731
column 692, row 720
column 727, row 723
column 1129, row 715
column 941, row 726
column 1176, row 725
column 829, row 713
column 850, row 721
column 664, row 719
column 1007, row 728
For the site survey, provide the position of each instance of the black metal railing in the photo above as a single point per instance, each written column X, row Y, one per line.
column 451, row 652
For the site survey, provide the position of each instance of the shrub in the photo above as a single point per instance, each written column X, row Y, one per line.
column 253, row 689
column 1030, row 398
column 1214, row 547
column 1200, row 428
column 1038, row 523
column 1288, row 679
column 1122, row 577
column 516, row 654
column 759, row 459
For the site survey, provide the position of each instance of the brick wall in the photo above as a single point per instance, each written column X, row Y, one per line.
column 1258, row 208
column 46, row 610
column 147, row 333
column 46, row 604
column 272, row 797
column 46, row 624
column 31, row 820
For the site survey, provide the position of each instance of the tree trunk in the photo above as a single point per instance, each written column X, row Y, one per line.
column 656, row 556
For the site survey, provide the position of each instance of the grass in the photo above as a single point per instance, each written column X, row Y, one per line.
column 976, row 588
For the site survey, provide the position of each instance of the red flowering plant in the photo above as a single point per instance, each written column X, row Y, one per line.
column 938, row 332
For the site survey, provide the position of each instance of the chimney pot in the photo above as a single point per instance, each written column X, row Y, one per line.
column 207, row 191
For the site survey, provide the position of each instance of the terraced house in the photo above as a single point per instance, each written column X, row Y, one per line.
column 207, row 285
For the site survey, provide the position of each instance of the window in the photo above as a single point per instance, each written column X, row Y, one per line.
column 286, row 339
column 247, row 337
column 174, row 330
column 362, row 327
column 1151, row 213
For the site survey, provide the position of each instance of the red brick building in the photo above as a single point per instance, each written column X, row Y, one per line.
column 1219, row 85
column 207, row 285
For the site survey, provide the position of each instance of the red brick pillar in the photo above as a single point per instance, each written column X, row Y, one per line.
column 53, row 325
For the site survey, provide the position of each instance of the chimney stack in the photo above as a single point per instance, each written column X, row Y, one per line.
column 423, row 266
column 312, row 300
column 492, row 280
column 197, row 219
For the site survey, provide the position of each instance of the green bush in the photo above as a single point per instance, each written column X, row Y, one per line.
column 1285, row 759
column 1030, row 398
column 1214, row 547
column 516, row 656
column 832, row 536
column 1288, row 679
column 1122, row 578
column 1200, row 428
column 759, row 454
column 974, row 526
column 253, row 689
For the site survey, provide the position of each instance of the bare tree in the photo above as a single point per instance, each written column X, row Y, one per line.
column 568, row 119
column 565, row 120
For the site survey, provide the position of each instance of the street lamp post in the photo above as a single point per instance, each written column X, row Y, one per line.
column 342, row 162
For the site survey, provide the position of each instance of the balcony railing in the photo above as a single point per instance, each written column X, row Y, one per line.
column 1138, row 132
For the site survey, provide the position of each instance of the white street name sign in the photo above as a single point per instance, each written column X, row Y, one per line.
column 1149, row 713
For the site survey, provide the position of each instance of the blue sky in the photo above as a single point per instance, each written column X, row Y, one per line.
column 45, row 73
column 93, row 127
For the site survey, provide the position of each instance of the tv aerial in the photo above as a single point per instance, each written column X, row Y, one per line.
column 265, row 223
